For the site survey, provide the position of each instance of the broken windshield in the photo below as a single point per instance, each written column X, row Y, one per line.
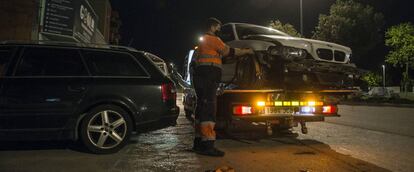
column 246, row 30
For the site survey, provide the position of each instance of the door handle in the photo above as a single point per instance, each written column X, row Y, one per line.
column 79, row 88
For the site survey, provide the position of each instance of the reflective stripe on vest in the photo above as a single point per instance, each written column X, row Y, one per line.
column 208, row 60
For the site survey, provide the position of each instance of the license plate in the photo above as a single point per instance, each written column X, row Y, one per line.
column 279, row 110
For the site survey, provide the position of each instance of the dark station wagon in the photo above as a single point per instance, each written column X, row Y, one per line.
column 97, row 94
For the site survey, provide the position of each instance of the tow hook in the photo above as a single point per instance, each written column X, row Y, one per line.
column 269, row 128
column 304, row 128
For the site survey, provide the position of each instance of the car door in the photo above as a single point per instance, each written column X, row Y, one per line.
column 5, row 65
column 45, row 89
column 118, row 76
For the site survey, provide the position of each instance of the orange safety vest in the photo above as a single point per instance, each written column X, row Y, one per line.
column 210, row 51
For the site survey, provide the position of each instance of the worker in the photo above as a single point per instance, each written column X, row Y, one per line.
column 207, row 75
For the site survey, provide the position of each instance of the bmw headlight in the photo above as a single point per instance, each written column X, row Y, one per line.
column 275, row 50
column 287, row 53
column 290, row 53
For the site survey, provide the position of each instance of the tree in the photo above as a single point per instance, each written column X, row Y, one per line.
column 400, row 39
column 354, row 25
column 372, row 79
column 287, row 28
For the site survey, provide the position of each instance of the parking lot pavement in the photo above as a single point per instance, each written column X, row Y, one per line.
column 169, row 150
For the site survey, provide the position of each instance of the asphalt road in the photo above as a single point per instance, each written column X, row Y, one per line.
column 363, row 139
column 380, row 135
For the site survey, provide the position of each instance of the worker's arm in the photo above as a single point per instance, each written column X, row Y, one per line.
column 225, row 50
column 237, row 51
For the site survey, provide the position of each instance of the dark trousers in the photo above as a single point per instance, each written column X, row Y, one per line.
column 206, row 81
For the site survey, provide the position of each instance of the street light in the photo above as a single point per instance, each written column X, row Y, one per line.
column 383, row 76
column 301, row 17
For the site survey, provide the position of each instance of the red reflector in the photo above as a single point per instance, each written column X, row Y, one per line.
column 328, row 109
column 168, row 92
column 242, row 110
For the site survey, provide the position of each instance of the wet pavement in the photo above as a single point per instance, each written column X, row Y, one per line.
column 169, row 149
column 380, row 135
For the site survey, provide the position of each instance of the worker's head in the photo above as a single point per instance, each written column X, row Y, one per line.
column 213, row 25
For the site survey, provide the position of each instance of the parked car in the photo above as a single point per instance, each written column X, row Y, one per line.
column 159, row 62
column 96, row 94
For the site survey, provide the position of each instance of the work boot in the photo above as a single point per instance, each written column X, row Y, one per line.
column 208, row 149
column 211, row 152
column 197, row 145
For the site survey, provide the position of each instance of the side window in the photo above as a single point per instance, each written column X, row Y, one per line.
column 104, row 63
column 4, row 60
column 226, row 33
column 39, row 61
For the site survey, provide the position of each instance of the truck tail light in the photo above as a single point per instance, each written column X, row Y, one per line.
column 241, row 110
column 329, row 109
column 168, row 92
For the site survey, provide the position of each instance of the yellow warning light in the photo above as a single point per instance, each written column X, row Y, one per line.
column 261, row 103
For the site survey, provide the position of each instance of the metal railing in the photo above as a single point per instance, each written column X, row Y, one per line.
column 77, row 44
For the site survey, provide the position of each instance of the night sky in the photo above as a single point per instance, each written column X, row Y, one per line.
column 169, row 28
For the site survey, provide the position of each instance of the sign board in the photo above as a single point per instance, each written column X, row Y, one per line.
column 70, row 18
column 86, row 22
column 58, row 17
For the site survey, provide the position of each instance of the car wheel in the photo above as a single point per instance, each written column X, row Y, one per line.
column 106, row 129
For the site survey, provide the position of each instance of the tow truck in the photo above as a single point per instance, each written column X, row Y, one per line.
column 289, row 82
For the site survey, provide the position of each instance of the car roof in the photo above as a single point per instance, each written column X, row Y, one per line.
column 71, row 44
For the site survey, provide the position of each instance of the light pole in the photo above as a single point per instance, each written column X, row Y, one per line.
column 383, row 76
column 301, row 17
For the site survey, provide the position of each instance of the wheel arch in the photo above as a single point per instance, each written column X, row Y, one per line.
column 121, row 104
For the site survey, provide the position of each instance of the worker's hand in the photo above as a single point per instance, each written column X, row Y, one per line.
column 243, row 51
column 248, row 51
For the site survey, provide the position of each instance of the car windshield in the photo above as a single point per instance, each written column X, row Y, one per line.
column 246, row 30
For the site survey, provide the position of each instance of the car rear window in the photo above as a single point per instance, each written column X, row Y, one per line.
column 106, row 63
column 4, row 59
column 47, row 61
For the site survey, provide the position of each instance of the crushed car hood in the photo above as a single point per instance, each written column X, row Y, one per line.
column 313, row 47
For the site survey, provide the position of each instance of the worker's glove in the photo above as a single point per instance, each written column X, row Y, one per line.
column 248, row 51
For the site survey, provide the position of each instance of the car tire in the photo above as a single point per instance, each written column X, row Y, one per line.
column 106, row 129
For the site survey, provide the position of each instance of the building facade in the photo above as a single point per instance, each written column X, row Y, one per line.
column 83, row 21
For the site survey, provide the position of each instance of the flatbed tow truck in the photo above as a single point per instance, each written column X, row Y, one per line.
column 288, row 82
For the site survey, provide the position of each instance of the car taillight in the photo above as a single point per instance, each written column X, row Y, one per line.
column 329, row 109
column 241, row 110
column 168, row 92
